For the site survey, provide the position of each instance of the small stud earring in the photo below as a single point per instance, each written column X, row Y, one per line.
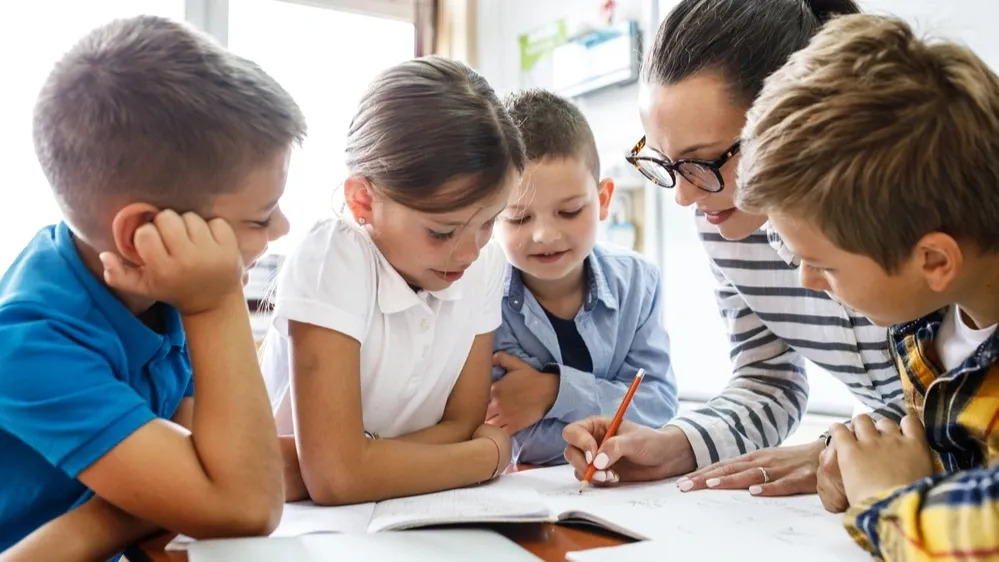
column 360, row 220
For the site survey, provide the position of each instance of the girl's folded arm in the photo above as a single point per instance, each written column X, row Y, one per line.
column 466, row 406
column 338, row 464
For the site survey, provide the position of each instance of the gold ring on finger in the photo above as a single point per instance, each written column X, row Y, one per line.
column 766, row 475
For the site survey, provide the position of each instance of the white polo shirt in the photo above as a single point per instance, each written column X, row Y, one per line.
column 413, row 345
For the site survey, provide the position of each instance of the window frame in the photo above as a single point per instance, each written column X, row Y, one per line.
column 212, row 16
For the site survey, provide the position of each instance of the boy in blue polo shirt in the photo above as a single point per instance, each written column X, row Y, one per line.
column 143, row 128
column 580, row 318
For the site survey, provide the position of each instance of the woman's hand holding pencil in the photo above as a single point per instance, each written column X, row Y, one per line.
column 607, row 451
column 632, row 454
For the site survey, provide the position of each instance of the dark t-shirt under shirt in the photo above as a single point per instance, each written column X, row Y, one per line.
column 570, row 343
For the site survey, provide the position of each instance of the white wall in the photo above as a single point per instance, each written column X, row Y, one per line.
column 972, row 22
column 500, row 22
column 612, row 112
column 700, row 346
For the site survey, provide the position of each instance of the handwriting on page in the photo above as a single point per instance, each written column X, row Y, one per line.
column 560, row 489
column 495, row 501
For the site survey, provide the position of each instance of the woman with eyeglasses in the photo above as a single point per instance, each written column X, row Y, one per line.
column 708, row 63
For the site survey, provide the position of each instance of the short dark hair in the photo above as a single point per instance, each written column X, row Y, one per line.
column 744, row 41
column 553, row 127
column 146, row 109
column 425, row 122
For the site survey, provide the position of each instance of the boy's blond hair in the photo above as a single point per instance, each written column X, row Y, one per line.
column 877, row 138
column 146, row 109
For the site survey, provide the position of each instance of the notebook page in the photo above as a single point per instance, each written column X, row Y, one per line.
column 559, row 489
column 498, row 501
column 301, row 518
column 448, row 545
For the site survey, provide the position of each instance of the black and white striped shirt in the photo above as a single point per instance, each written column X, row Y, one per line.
column 774, row 324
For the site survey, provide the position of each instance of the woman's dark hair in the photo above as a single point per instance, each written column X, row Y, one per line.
column 426, row 122
column 744, row 41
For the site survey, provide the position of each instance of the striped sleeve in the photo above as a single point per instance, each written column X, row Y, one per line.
column 945, row 517
column 765, row 399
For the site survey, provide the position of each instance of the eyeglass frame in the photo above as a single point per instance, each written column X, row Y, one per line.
column 673, row 168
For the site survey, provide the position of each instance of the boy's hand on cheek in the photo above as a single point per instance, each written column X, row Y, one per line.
column 185, row 261
column 522, row 397
column 875, row 458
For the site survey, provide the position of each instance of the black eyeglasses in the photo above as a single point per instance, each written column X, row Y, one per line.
column 704, row 174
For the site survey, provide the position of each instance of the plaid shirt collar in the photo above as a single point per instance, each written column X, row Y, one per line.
column 952, row 405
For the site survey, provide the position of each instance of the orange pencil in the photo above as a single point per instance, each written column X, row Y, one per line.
column 625, row 402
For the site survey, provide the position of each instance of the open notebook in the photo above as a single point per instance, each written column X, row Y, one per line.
column 548, row 495
column 654, row 510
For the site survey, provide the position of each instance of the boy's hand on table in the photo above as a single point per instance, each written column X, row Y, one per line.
column 522, row 397
column 180, row 259
column 874, row 458
column 830, row 481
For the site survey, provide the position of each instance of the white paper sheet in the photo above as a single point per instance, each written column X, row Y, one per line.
column 416, row 546
column 497, row 501
column 798, row 525
column 302, row 518
column 716, row 546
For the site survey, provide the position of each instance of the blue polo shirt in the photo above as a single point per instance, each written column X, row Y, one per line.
column 78, row 374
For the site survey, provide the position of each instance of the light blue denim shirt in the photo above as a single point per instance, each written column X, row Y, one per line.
column 621, row 323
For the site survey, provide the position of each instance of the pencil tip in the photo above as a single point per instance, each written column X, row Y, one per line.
column 582, row 486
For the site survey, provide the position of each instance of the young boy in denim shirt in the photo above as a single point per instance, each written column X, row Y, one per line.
column 876, row 156
column 130, row 394
column 580, row 318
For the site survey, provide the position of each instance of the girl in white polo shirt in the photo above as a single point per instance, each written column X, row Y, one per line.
column 379, row 359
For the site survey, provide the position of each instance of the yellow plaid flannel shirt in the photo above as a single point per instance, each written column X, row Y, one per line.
column 954, row 514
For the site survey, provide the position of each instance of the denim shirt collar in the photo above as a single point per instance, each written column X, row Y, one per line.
column 597, row 289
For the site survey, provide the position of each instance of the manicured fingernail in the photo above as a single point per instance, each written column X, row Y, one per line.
column 612, row 476
column 685, row 486
column 712, row 482
column 589, row 457
column 755, row 490
column 600, row 476
column 601, row 461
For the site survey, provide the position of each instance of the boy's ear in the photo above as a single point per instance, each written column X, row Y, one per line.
column 125, row 223
column 941, row 260
column 605, row 191
column 360, row 197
